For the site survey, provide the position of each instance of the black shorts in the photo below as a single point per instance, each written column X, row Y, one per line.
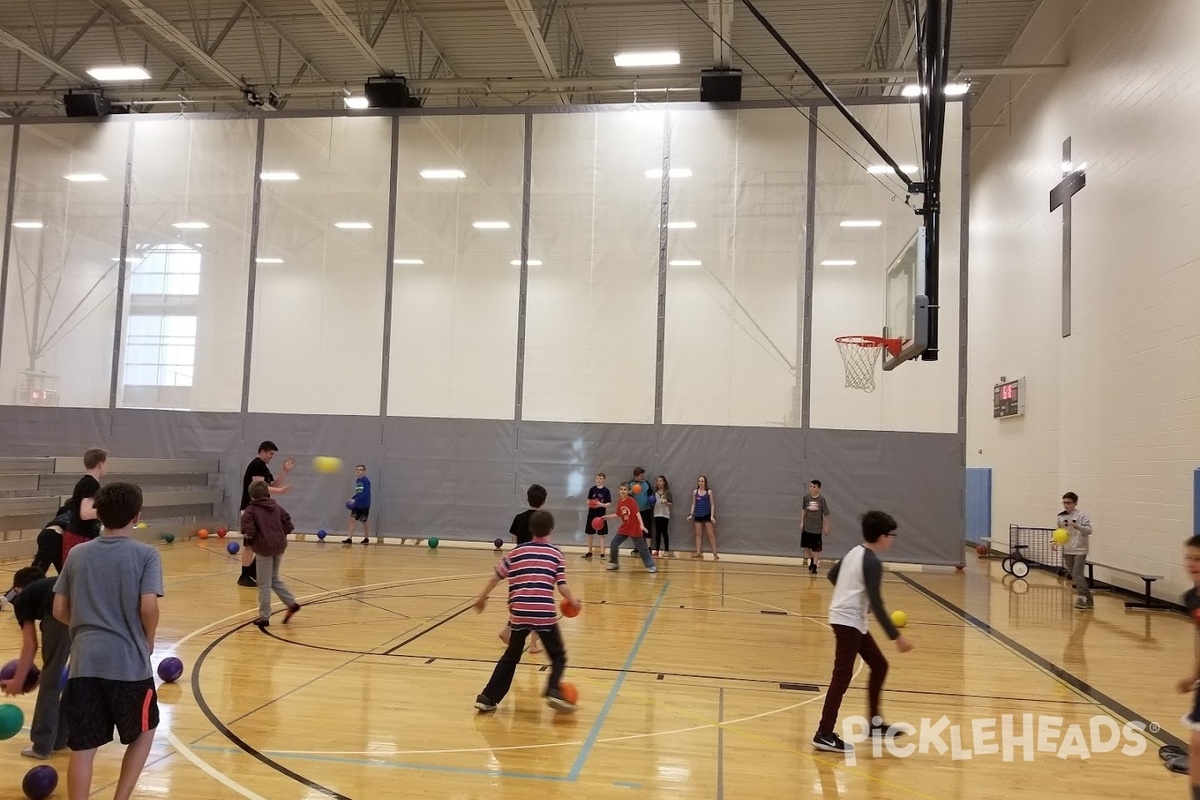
column 360, row 514
column 811, row 541
column 94, row 706
column 705, row 518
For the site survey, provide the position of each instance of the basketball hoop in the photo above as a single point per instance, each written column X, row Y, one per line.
column 859, row 354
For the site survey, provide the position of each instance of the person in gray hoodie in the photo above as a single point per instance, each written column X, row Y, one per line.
column 265, row 527
column 1075, row 551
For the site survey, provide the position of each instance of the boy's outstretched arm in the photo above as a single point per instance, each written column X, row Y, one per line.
column 481, row 601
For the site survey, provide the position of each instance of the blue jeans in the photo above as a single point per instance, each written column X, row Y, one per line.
column 639, row 544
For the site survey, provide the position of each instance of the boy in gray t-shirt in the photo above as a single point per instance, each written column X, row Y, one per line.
column 108, row 594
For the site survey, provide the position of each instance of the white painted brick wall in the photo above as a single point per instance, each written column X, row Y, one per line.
column 1113, row 411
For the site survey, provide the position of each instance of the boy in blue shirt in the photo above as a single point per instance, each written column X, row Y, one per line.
column 360, row 505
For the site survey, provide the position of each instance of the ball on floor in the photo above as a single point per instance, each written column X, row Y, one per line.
column 221, row 532
column 498, row 542
column 982, row 549
column 899, row 619
column 168, row 537
column 40, row 782
column 232, row 547
column 203, row 534
column 433, row 542
column 568, row 692
column 321, row 534
column 327, row 465
column 12, row 719
column 170, row 669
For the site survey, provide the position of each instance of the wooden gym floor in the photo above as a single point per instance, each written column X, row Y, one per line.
column 703, row 681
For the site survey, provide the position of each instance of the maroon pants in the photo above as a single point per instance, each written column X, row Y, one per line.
column 852, row 643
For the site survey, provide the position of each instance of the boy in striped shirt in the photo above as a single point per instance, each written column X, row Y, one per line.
column 532, row 570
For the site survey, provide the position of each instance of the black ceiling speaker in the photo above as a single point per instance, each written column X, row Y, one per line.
column 388, row 92
column 720, row 86
column 86, row 104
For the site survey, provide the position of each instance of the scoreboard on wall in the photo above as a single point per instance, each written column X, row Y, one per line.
column 1008, row 398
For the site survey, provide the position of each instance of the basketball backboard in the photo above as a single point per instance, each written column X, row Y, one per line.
column 906, row 309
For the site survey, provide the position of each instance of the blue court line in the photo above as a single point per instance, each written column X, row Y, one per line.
column 382, row 762
column 594, row 733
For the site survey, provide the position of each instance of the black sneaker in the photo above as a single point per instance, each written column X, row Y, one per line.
column 347, row 540
column 831, row 743
column 365, row 540
column 291, row 612
column 484, row 705
column 246, row 580
column 812, row 567
column 262, row 624
column 886, row 731
column 587, row 555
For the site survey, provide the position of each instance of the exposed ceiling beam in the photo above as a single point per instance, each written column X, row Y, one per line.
column 341, row 23
column 289, row 40
column 720, row 17
column 675, row 82
column 528, row 23
column 10, row 40
column 165, row 30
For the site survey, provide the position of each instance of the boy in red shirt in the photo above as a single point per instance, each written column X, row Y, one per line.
column 632, row 527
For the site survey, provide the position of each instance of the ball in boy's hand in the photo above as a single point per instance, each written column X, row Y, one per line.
column 9, row 671
column 568, row 608
column 653, row 499
column 597, row 523
column 349, row 505
column 1061, row 536
column 637, row 488
column 593, row 503
column 327, row 465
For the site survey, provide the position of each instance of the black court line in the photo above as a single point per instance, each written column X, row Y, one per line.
column 237, row 740
column 430, row 629
column 1079, row 685
column 799, row 687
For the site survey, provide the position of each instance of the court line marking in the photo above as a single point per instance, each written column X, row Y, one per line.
column 594, row 733
column 1082, row 687
column 415, row 581
column 188, row 752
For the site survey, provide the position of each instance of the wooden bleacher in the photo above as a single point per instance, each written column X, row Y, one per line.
column 179, row 494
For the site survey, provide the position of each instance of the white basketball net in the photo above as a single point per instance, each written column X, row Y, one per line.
column 859, row 355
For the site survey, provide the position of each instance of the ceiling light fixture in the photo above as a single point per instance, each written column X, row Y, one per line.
column 190, row 226
column 681, row 225
column 28, row 225
column 353, row 226
column 356, row 102
column 410, row 262
column 279, row 176
column 533, row 262
column 268, row 261
column 686, row 262
column 659, row 58
column 85, row 177
column 861, row 223
column 486, row 225
column 836, row 262
column 442, row 174
column 116, row 74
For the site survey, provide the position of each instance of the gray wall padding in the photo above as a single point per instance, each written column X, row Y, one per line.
column 464, row 479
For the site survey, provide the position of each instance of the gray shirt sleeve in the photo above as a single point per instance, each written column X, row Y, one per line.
column 873, row 578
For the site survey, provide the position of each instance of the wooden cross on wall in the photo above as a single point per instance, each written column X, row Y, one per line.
column 1073, row 180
